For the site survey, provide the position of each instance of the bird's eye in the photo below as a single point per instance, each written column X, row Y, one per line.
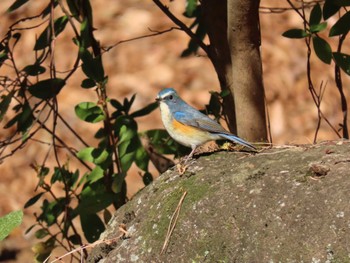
column 171, row 97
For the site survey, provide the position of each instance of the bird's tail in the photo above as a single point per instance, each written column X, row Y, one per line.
column 235, row 139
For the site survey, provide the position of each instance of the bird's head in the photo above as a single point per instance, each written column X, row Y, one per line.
column 168, row 96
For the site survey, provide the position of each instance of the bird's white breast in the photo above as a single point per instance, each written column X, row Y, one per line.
column 166, row 115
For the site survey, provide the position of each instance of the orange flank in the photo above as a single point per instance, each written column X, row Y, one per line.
column 185, row 129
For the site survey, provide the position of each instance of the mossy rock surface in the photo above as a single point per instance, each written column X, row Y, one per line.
column 282, row 205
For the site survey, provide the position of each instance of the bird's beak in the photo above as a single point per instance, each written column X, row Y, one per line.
column 158, row 99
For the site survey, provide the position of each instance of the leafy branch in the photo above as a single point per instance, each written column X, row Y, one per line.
column 312, row 27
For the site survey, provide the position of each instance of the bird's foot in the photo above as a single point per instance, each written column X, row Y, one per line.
column 183, row 165
column 181, row 168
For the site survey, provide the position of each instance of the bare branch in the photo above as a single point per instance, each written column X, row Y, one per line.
column 155, row 33
column 179, row 23
column 278, row 10
column 339, row 84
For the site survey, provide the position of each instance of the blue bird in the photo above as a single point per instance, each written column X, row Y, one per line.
column 188, row 126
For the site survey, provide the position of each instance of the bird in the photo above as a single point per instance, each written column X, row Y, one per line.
column 188, row 126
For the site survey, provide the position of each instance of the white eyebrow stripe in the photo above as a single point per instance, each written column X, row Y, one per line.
column 163, row 95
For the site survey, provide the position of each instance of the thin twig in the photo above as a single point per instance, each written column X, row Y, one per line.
column 183, row 27
column 279, row 10
column 69, row 149
column 84, row 247
column 154, row 33
column 268, row 120
column 339, row 84
column 71, row 22
column 172, row 223
column 317, row 98
column 69, row 127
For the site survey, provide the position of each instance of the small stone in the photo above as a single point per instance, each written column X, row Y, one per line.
column 319, row 169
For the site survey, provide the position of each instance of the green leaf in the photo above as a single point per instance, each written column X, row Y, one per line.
column 92, row 67
column 116, row 104
column 71, row 178
column 127, row 104
column 86, row 6
column 142, row 158
column 329, row 9
column 342, row 26
column 61, row 174
column 123, row 123
column 318, row 27
column 162, row 142
column 315, row 15
column 193, row 44
column 48, row 8
column 127, row 155
column 94, row 198
column 16, row 4
column 343, row 61
column 57, row 175
column 88, row 84
column 127, row 147
column 43, row 172
column 73, row 8
column 214, row 106
column 96, row 156
column 118, row 182
column 145, row 111
column 85, row 34
column 191, row 6
column 295, row 33
column 9, row 222
column 25, row 119
column 322, row 49
column 30, row 229
column 51, row 210
column 34, row 70
column 12, row 122
column 45, row 37
column 33, row 200
column 5, row 103
column 224, row 93
column 92, row 226
column 75, row 239
column 41, row 233
column 16, row 36
column 89, row 112
column 106, row 216
column 95, row 175
column 3, row 58
column 43, row 250
column 126, row 134
column 100, row 134
column 47, row 89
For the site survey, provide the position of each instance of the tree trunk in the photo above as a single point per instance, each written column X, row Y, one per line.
column 214, row 16
column 234, row 35
column 244, row 43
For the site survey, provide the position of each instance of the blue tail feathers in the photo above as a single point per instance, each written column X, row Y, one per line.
column 237, row 140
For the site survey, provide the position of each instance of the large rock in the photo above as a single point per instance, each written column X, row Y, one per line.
column 281, row 205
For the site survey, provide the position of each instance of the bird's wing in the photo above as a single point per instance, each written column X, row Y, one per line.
column 203, row 122
column 200, row 121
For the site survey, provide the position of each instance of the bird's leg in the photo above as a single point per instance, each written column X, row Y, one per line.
column 182, row 166
column 194, row 147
